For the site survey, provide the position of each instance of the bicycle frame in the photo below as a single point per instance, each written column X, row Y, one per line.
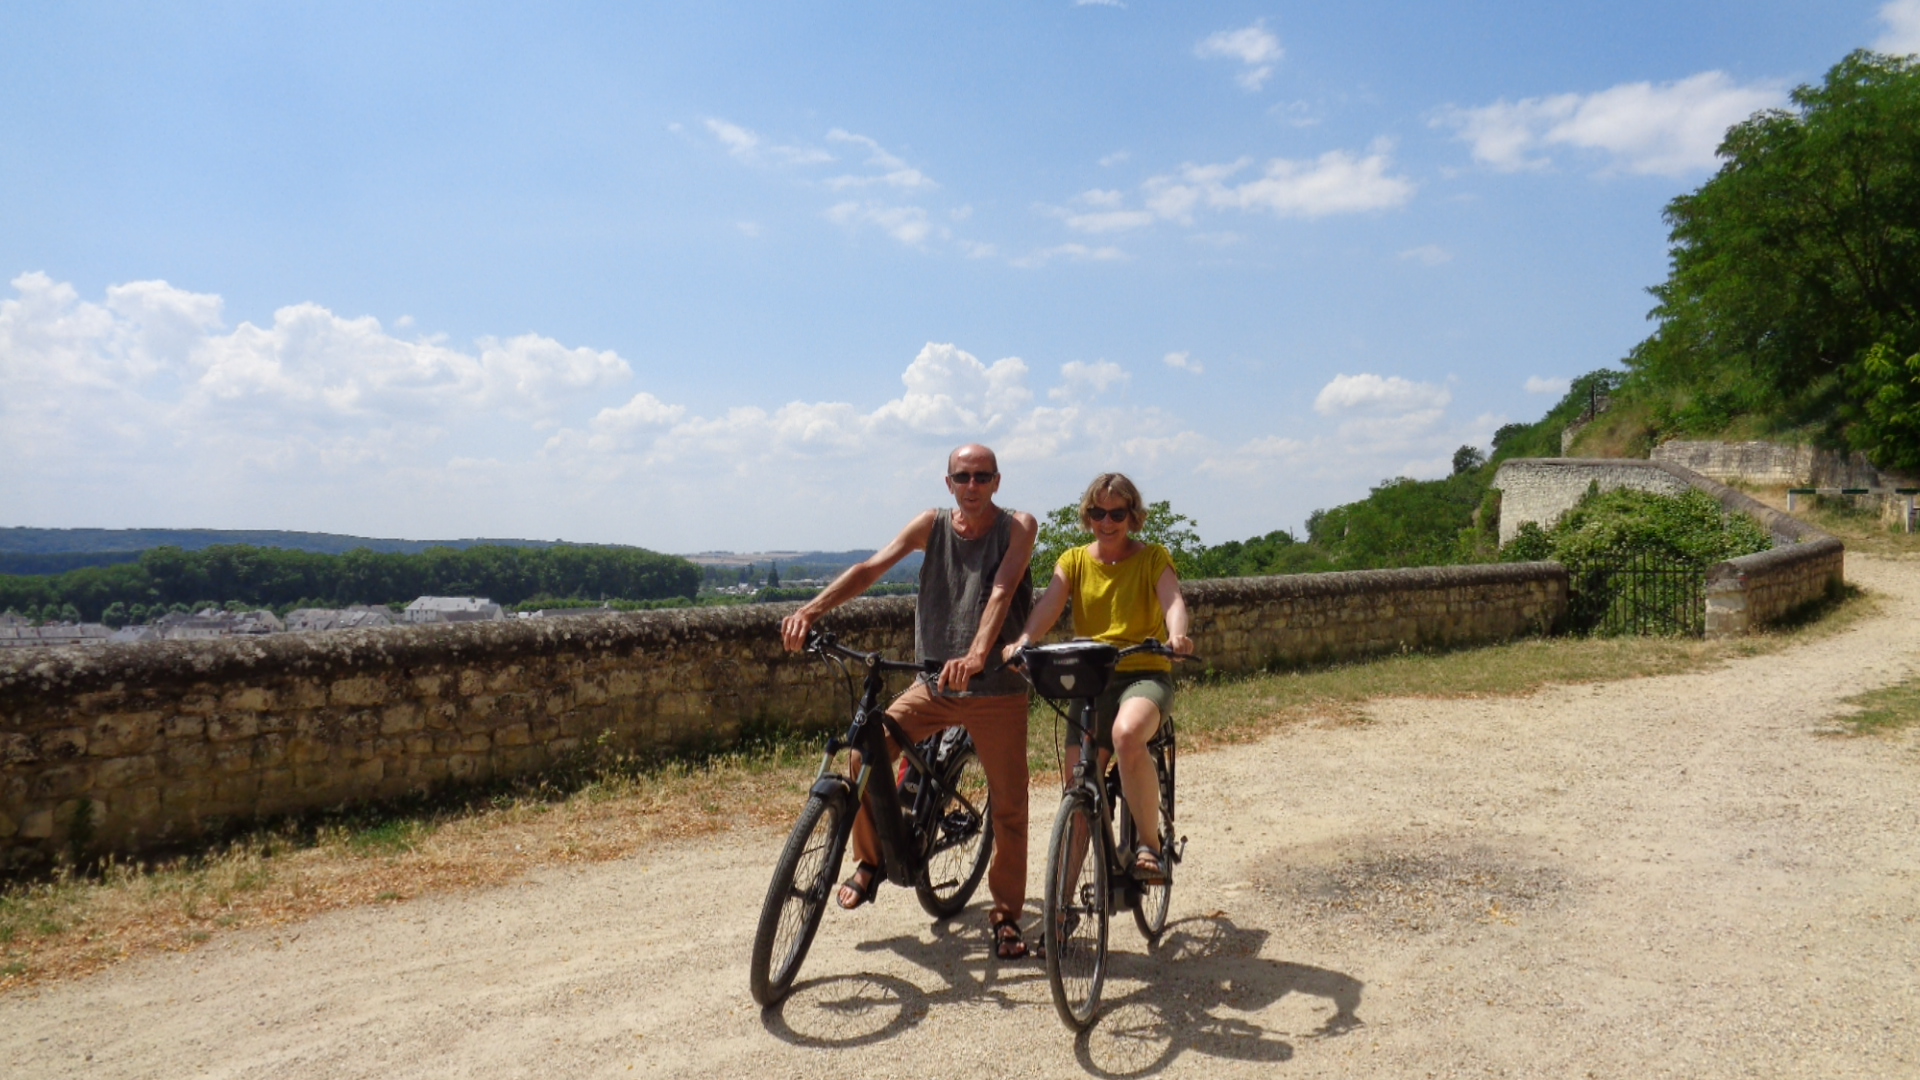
column 903, row 851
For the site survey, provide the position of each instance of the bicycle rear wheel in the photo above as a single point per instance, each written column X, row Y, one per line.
column 1150, row 909
column 962, row 840
column 802, row 879
column 1074, row 920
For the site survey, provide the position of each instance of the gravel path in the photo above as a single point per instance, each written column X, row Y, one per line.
column 1685, row 875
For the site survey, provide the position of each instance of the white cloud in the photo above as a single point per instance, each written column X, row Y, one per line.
column 893, row 172
column 144, row 407
column 1075, row 252
column 907, row 224
column 739, row 141
column 974, row 249
column 1902, row 36
column 1427, row 255
column 1080, row 380
column 1375, row 394
column 1538, row 385
column 1668, row 129
column 748, row 228
column 1114, row 158
column 1334, row 183
column 1254, row 46
column 1099, row 3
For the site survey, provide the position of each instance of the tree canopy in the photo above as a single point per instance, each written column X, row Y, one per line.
column 1794, row 290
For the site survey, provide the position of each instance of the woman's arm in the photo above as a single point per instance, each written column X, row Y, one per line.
column 1046, row 612
column 1175, row 605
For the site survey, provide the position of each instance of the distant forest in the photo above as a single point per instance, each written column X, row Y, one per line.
column 276, row 577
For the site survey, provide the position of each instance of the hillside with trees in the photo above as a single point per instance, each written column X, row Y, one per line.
column 277, row 578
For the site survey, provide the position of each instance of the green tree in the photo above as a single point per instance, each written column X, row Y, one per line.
column 1060, row 530
column 115, row 615
column 1794, row 261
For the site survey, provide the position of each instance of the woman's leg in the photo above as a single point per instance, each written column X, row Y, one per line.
column 1134, row 726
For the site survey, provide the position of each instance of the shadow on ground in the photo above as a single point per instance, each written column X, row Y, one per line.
column 1194, row 992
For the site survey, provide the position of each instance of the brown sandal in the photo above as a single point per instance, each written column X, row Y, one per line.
column 1008, row 943
column 860, row 887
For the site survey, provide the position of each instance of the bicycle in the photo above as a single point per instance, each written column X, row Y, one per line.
column 934, row 825
column 1081, row 884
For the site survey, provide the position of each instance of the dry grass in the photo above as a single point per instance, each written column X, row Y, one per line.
column 80, row 923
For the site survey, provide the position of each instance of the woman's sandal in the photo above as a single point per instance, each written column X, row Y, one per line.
column 1008, row 944
column 1149, row 866
column 861, row 886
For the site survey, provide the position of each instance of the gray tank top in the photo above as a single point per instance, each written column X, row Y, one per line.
column 955, row 581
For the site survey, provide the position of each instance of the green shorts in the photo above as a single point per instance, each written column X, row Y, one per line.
column 1155, row 686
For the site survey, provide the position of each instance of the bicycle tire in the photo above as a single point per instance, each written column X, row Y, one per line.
column 1074, row 918
column 1152, row 901
column 963, row 841
column 802, row 879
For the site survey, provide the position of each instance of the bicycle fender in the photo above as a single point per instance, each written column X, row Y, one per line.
column 828, row 787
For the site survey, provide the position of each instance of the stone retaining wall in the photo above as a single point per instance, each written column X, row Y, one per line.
column 1777, row 464
column 1806, row 565
column 128, row 748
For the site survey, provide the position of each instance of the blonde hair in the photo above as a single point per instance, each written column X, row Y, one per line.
column 1115, row 485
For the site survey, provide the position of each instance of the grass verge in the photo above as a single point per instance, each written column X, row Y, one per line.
column 610, row 808
column 1885, row 710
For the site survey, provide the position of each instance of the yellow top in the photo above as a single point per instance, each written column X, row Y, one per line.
column 1116, row 604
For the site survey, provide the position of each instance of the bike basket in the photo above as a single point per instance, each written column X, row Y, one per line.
column 1073, row 669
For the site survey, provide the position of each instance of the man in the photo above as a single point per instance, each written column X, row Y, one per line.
column 974, row 598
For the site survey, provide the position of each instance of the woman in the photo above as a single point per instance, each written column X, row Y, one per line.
column 1123, row 591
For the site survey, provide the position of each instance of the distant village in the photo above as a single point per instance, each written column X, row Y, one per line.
column 19, row 633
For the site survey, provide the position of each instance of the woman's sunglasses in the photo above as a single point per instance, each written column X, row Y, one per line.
column 1118, row 516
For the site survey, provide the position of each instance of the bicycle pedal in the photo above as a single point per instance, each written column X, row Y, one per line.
column 1180, row 849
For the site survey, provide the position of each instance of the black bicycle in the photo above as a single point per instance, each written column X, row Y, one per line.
column 1089, row 873
column 934, row 828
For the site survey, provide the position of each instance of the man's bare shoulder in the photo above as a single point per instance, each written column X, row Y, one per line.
column 1024, row 521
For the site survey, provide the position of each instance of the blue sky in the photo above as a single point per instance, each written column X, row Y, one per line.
column 738, row 277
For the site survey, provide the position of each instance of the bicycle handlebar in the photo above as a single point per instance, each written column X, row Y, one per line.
column 822, row 642
column 1152, row 646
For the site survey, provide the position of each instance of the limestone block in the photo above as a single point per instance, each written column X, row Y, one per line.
column 8, row 827
column 115, row 773
column 233, row 758
column 37, row 825
column 185, row 727
column 463, row 767
column 62, row 743
column 357, row 691
column 124, row 733
column 512, row 735
column 188, row 758
column 478, row 742
column 60, row 781
column 398, row 719
column 429, row 686
column 247, row 699
column 304, row 694
column 270, row 751
column 231, row 727
column 17, row 749
column 472, row 682
column 369, row 772
column 199, row 704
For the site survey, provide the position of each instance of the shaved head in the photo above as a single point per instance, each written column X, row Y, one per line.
column 976, row 452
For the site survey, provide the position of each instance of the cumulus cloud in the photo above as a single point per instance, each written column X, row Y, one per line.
column 1080, row 380
column 1902, row 35
column 1336, row 182
column 1665, row 129
column 1538, row 385
column 1114, row 158
column 145, row 406
column 1375, row 394
column 1254, row 46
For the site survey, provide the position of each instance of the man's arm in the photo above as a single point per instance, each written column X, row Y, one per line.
column 1013, row 567
column 856, row 579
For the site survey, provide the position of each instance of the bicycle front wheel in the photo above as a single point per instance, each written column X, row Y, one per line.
column 802, row 879
column 962, row 841
column 1150, row 910
column 1074, row 920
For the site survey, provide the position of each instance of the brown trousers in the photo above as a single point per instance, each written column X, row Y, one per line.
column 999, row 729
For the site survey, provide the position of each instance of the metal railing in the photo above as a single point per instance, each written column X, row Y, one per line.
column 1637, row 591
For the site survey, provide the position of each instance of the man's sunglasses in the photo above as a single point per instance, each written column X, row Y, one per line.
column 980, row 478
column 1118, row 516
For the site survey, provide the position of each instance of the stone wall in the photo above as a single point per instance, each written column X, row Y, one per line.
column 1806, row 565
column 128, row 748
column 1777, row 464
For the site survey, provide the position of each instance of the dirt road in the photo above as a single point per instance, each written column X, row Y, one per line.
column 1686, row 876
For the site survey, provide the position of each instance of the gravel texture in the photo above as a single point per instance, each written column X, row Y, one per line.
column 1693, row 875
